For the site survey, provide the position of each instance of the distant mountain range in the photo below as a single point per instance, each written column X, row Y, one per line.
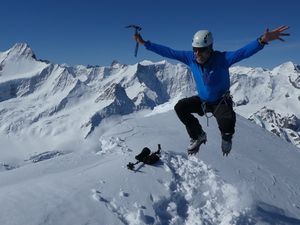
column 40, row 98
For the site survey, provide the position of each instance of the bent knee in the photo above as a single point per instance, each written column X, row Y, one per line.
column 179, row 106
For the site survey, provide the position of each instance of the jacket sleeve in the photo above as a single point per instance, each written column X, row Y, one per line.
column 182, row 56
column 243, row 53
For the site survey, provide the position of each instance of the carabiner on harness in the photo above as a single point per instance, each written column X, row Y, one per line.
column 225, row 97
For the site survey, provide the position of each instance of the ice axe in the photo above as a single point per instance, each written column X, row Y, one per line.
column 137, row 29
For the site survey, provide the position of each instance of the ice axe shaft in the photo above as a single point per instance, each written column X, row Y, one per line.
column 137, row 29
column 136, row 49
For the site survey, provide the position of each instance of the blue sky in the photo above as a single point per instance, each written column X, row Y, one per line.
column 92, row 32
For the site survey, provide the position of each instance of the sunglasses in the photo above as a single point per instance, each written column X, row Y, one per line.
column 201, row 50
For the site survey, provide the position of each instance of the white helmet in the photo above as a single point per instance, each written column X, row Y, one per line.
column 202, row 38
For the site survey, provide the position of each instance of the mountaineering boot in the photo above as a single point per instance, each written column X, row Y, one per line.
column 194, row 146
column 226, row 143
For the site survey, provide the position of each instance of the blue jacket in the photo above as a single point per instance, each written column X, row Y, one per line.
column 213, row 81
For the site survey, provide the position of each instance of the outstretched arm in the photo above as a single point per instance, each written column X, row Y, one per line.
column 164, row 51
column 257, row 45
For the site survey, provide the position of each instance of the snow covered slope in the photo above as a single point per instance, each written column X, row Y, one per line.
column 67, row 133
column 257, row 184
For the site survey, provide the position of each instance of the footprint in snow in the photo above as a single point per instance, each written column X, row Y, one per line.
column 127, row 217
column 196, row 193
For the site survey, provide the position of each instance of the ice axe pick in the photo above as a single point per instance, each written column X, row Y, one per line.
column 136, row 31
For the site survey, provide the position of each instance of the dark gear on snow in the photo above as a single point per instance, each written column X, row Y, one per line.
column 146, row 157
column 143, row 155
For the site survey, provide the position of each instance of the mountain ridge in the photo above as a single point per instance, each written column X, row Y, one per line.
column 64, row 90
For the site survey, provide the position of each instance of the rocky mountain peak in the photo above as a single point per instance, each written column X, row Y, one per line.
column 22, row 50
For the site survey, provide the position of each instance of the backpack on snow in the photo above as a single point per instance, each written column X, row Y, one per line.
column 146, row 157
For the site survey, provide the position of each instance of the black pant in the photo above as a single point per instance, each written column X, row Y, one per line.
column 223, row 112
